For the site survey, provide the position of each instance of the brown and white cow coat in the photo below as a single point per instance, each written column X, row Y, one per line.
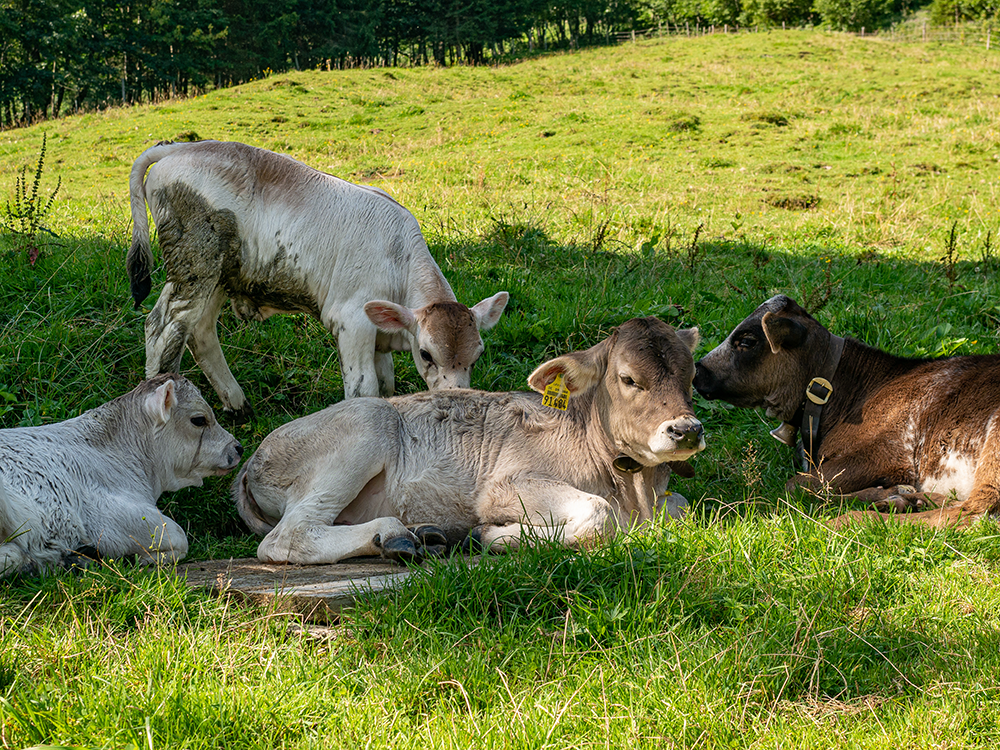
column 902, row 433
column 350, row 479
column 274, row 235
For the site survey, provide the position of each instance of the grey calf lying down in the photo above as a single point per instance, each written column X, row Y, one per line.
column 348, row 480
column 900, row 433
column 91, row 483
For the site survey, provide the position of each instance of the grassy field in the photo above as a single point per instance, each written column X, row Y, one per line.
column 687, row 178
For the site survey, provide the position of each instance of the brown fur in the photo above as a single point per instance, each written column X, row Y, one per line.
column 899, row 433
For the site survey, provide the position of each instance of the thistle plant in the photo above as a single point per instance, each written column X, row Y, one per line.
column 24, row 216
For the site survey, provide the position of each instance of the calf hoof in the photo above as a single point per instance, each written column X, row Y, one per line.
column 242, row 415
column 428, row 534
column 904, row 503
column 400, row 549
column 81, row 558
column 473, row 542
column 432, row 541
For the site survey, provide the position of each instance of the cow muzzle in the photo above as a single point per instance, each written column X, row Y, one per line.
column 677, row 439
column 705, row 381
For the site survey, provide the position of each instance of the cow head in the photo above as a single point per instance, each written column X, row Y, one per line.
column 767, row 360
column 444, row 336
column 641, row 380
column 187, row 442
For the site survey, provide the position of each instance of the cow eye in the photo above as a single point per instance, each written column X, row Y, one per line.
column 426, row 356
column 629, row 383
column 199, row 421
column 746, row 341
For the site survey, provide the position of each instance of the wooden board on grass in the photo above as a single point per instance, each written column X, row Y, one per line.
column 319, row 592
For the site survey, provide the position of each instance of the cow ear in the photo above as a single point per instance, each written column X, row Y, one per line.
column 488, row 312
column 390, row 317
column 160, row 402
column 690, row 337
column 581, row 371
column 782, row 332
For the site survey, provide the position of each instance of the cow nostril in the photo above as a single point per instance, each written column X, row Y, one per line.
column 239, row 449
column 686, row 435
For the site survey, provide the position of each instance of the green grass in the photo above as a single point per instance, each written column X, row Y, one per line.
column 687, row 178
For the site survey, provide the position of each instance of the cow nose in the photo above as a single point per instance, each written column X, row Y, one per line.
column 686, row 433
column 702, row 378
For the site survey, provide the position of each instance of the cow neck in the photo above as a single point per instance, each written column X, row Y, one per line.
column 594, row 414
column 108, row 432
column 817, row 394
column 428, row 285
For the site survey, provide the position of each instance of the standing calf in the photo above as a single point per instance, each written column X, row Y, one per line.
column 348, row 480
column 900, row 433
column 273, row 235
column 92, row 482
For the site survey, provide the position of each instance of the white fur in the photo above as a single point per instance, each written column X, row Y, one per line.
column 93, row 481
column 342, row 245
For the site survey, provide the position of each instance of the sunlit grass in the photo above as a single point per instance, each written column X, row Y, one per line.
column 686, row 178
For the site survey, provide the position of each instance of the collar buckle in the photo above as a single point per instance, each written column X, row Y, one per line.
column 819, row 390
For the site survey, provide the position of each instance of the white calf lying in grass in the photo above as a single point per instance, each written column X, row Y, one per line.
column 89, row 485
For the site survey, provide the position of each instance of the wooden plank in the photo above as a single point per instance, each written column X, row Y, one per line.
column 318, row 592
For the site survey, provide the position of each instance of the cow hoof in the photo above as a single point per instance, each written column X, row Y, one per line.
column 428, row 551
column 80, row 559
column 242, row 415
column 902, row 503
column 400, row 549
column 473, row 542
column 428, row 534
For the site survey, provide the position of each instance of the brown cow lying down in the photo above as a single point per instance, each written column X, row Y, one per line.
column 348, row 480
column 900, row 433
column 90, row 484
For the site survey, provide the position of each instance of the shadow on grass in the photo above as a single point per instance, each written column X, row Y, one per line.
column 73, row 341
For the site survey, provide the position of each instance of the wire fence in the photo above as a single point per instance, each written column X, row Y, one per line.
column 967, row 34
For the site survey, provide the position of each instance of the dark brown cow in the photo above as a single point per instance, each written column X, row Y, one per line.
column 348, row 480
column 900, row 433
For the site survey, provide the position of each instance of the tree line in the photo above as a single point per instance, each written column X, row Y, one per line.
column 59, row 56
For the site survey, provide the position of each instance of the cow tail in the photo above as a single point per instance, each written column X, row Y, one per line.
column 256, row 520
column 139, row 261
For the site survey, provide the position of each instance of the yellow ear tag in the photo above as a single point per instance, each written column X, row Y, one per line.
column 556, row 394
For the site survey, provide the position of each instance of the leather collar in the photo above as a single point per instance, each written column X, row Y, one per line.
column 817, row 394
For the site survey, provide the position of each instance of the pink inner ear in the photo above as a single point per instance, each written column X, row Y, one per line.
column 386, row 317
column 544, row 379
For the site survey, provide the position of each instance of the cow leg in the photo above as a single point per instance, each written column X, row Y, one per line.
column 548, row 510
column 385, row 374
column 12, row 559
column 356, row 342
column 983, row 500
column 306, row 541
column 165, row 336
column 952, row 516
column 843, row 485
column 143, row 531
column 204, row 345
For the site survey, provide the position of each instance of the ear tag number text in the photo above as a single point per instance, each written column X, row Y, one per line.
column 556, row 394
